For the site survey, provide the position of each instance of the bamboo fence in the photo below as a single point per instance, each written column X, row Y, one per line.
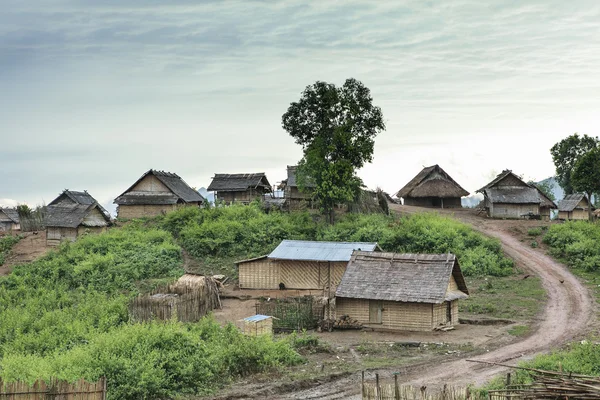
column 54, row 389
column 291, row 313
column 394, row 391
column 186, row 301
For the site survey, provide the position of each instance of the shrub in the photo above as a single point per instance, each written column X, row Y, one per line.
column 577, row 243
column 6, row 245
column 534, row 232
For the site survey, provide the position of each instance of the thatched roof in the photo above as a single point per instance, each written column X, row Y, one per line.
column 504, row 174
column 526, row 195
column 432, row 182
column 75, row 197
column 570, row 202
column 307, row 250
column 291, row 178
column 545, row 201
column 239, row 182
column 11, row 214
column 181, row 192
column 414, row 278
column 72, row 216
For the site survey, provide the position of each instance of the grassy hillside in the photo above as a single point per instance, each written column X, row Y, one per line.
column 6, row 244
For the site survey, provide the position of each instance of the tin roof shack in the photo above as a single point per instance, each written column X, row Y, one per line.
column 156, row 193
column 295, row 198
column 239, row 188
column 257, row 325
column 508, row 196
column 574, row 207
column 67, row 222
column 300, row 264
column 9, row 219
column 432, row 187
column 412, row 292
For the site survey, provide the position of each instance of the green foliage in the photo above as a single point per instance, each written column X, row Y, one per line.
column 534, row 244
column 336, row 127
column 519, row 330
column 585, row 176
column 577, row 243
column 6, row 245
column 545, row 187
column 534, row 232
column 565, row 155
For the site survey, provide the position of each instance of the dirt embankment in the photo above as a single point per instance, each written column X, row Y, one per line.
column 567, row 315
column 32, row 246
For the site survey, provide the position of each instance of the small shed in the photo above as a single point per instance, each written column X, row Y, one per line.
column 156, row 193
column 413, row 292
column 295, row 198
column 9, row 219
column 574, row 207
column 239, row 188
column 300, row 264
column 68, row 222
column 70, row 197
column 432, row 187
column 257, row 325
column 508, row 196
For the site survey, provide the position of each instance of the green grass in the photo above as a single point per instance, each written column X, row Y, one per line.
column 534, row 232
column 6, row 245
column 519, row 330
column 511, row 298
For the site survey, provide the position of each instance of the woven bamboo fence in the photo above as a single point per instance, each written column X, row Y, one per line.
column 187, row 300
column 291, row 313
column 54, row 389
column 394, row 391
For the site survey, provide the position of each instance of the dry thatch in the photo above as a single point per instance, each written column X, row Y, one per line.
column 571, row 202
column 545, row 201
column 415, row 278
column 239, row 182
column 432, row 182
column 72, row 216
column 10, row 215
column 525, row 195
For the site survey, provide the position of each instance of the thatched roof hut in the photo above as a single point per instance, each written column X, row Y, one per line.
column 508, row 196
column 401, row 291
column 295, row 198
column 242, row 188
column 156, row 193
column 68, row 221
column 9, row 219
column 70, row 197
column 574, row 206
column 432, row 187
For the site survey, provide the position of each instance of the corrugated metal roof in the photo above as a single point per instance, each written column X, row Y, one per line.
column 319, row 251
column 257, row 318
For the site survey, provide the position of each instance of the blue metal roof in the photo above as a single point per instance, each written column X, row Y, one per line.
column 318, row 251
column 257, row 318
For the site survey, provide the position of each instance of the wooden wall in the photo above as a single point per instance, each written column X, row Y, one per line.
column 502, row 210
column 259, row 274
column 141, row 210
column 56, row 235
column 150, row 184
column 436, row 202
column 95, row 218
column 395, row 315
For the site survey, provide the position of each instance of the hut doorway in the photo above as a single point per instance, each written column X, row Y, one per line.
column 375, row 309
column 448, row 312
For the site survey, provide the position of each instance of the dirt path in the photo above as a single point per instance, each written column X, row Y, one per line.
column 28, row 249
column 568, row 315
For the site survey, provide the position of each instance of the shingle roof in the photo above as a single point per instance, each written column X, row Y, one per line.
column 570, row 202
column 526, row 195
column 238, row 182
column 79, row 198
column 11, row 213
column 432, row 182
column 415, row 278
column 172, row 181
column 319, row 251
column 291, row 178
column 71, row 216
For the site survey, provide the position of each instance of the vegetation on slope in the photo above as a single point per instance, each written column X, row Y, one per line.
column 6, row 244
column 576, row 242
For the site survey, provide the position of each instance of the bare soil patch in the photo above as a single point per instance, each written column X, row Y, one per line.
column 29, row 248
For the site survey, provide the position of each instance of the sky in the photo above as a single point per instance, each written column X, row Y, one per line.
column 95, row 93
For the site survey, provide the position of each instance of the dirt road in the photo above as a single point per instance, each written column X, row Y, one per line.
column 569, row 314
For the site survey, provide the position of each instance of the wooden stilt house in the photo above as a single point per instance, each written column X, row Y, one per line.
column 239, row 188
column 294, row 197
column 413, row 292
column 300, row 264
column 9, row 219
column 574, row 207
column 156, row 193
column 432, row 187
column 508, row 196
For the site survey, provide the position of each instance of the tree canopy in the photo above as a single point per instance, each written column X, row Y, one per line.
column 586, row 175
column 336, row 127
column 565, row 155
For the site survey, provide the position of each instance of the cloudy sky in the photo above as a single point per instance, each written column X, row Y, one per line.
column 93, row 95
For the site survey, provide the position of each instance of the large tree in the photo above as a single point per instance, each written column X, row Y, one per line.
column 336, row 127
column 565, row 155
column 586, row 175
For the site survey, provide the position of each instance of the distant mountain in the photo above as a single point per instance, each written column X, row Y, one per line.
column 209, row 196
column 471, row 201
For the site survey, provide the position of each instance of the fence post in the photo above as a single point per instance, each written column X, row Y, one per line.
column 363, row 384
column 396, row 388
column 445, row 392
column 377, row 389
column 508, row 379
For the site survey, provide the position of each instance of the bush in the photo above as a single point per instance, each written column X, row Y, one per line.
column 6, row 245
column 534, row 232
column 577, row 243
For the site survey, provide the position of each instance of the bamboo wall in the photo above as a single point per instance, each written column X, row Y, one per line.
column 245, row 196
column 258, row 328
column 259, row 274
column 144, row 210
column 574, row 215
column 55, row 389
column 437, row 202
column 395, row 315
column 56, row 235
column 150, row 184
column 500, row 210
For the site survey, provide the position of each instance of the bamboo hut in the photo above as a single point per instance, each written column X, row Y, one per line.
column 239, row 188
column 574, row 206
column 296, row 198
column 300, row 264
column 9, row 219
column 258, row 325
column 432, row 187
column 413, row 292
column 156, row 193
column 508, row 196
column 71, row 197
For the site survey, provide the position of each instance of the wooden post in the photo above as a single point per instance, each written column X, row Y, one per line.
column 508, row 379
column 363, row 384
column 377, row 391
column 396, row 388
column 445, row 392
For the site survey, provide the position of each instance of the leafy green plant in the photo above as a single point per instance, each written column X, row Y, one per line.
column 534, row 231
column 6, row 245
